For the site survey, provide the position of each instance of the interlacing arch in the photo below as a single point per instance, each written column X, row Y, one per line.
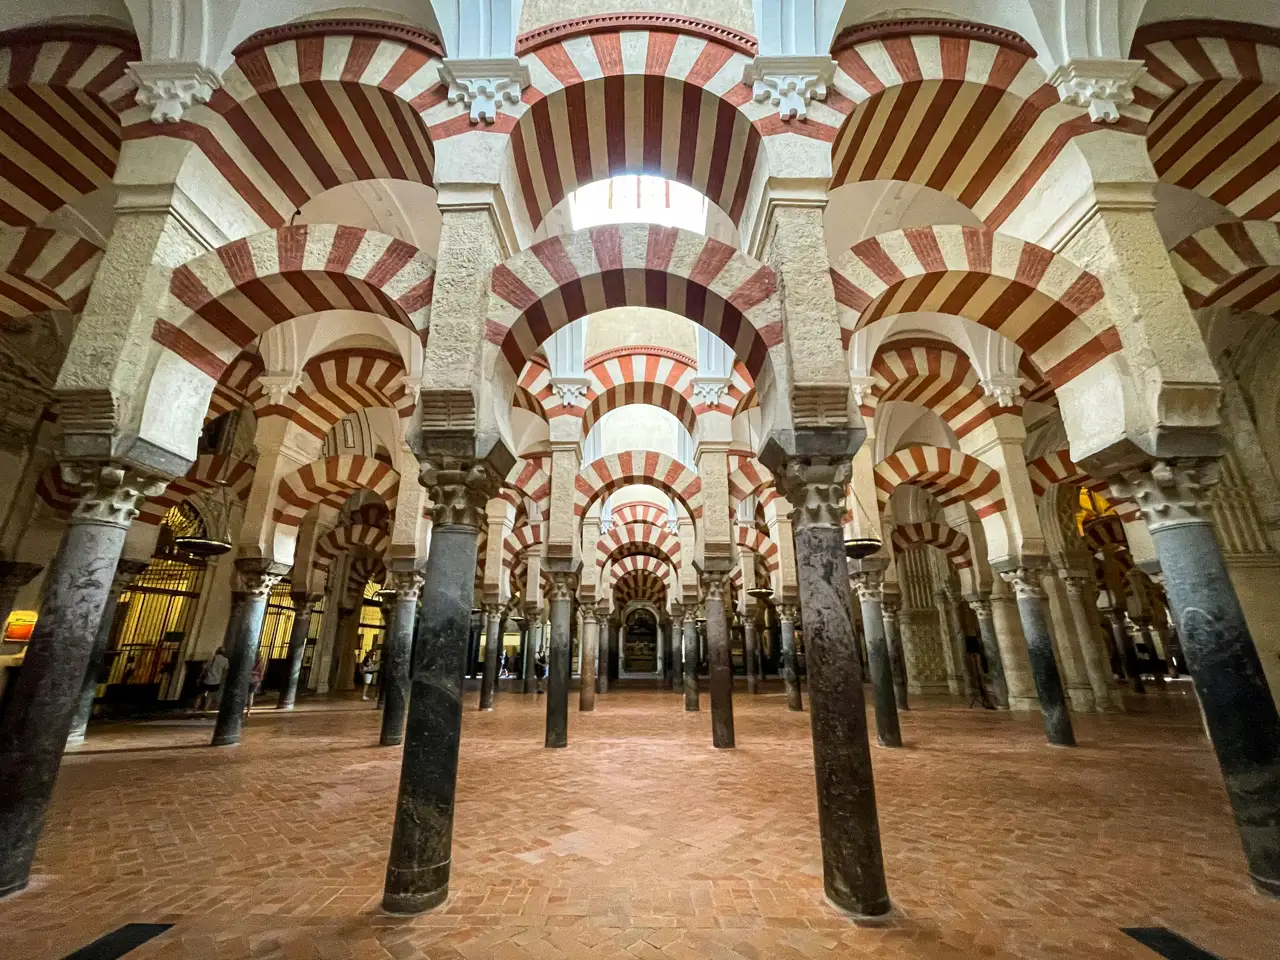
column 953, row 544
column 1235, row 265
column 62, row 90
column 951, row 476
column 560, row 279
column 663, row 98
column 1048, row 306
column 936, row 376
column 238, row 387
column 760, row 544
column 961, row 108
column 209, row 472
column 43, row 269
column 341, row 382
column 1209, row 100
column 224, row 300
column 601, row 477
column 329, row 481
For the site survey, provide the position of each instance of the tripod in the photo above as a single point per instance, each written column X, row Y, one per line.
column 978, row 696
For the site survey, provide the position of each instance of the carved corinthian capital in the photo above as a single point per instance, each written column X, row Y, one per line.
column 981, row 606
column 1172, row 493
column 407, row 584
column 562, row 586
column 867, row 585
column 459, row 489
column 1026, row 581
column 255, row 576
column 815, row 486
column 111, row 493
column 713, row 582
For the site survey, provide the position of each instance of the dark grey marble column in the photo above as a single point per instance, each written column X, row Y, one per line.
column 1128, row 652
column 689, row 658
column 890, row 606
column 750, row 652
column 303, row 604
column 852, row 863
column 981, row 607
column 33, row 733
column 719, row 660
column 790, row 670
column 560, row 661
column 255, row 577
column 888, row 733
column 126, row 572
column 422, row 842
column 536, row 620
column 1034, row 614
column 1220, row 654
column 396, row 655
column 603, row 666
column 588, row 660
column 615, row 650
column 677, row 645
column 492, row 654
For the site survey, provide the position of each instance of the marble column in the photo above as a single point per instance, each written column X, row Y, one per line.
column 1015, row 660
column 888, row 733
column 677, row 642
column 419, row 862
column 13, row 577
column 720, row 663
column 1221, row 656
column 534, row 643
column 492, row 655
column 255, row 576
column 303, row 604
column 787, row 613
column 1069, row 655
column 750, row 652
column 890, row 608
column 589, row 660
column 1128, row 652
column 1034, row 614
column 852, row 863
column 689, row 654
column 615, row 649
column 981, row 607
column 1095, row 660
column 396, row 655
column 952, row 642
column 560, row 661
column 33, row 732
column 602, row 658
column 126, row 572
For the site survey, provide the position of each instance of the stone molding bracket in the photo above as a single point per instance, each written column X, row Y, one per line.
column 710, row 390
column 112, row 492
column 169, row 87
column 485, row 84
column 1005, row 391
column 1173, row 493
column 571, row 391
column 790, row 83
column 1103, row 86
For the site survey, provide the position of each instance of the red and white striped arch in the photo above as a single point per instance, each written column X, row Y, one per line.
column 964, row 109
column 366, row 568
column 936, row 376
column 758, row 543
column 348, row 536
column 634, row 94
column 640, row 586
column 953, row 543
column 640, row 564
column 44, row 269
column 603, row 476
column 222, row 301
column 1209, row 100
column 1045, row 304
column 62, row 89
column 330, row 481
column 310, row 106
column 640, row 511
column 530, row 480
column 748, row 476
column 209, row 472
column 238, row 386
column 1058, row 467
column 340, row 382
column 528, row 536
column 653, row 539
column 558, row 280
column 1235, row 265
column 951, row 476
column 55, row 493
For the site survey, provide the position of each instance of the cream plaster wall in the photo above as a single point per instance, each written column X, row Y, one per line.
column 1256, row 587
column 640, row 326
column 638, row 427
column 732, row 13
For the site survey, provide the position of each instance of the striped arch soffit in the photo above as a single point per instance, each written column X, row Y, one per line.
column 759, row 544
column 638, row 538
column 348, row 536
column 330, row 481
column 637, row 93
column 1233, row 265
column 528, row 480
column 953, row 544
column 365, row 568
column 207, row 473
column 560, row 279
column 601, row 477
column 951, row 476
column 1209, row 102
column 43, row 270
column 958, row 107
column 1044, row 303
column 310, row 106
column 639, row 564
column 519, row 541
column 641, row 511
column 1058, row 467
column 340, row 382
column 238, row 386
column 748, row 477
column 63, row 89
column 640, row 586
column 222, row 301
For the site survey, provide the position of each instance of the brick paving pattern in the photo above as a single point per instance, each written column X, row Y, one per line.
column 641, row 841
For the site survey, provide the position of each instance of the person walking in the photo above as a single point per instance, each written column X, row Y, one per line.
column 211, row 677
column 539, row 670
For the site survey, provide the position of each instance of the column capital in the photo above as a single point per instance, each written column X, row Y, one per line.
column 713, row 584
column 1025, row 581
column 1075, row 580
column 981, row 606
column 816, row 487
column 407, row 584
column 563, row 586
column 112, row 492
column 890, row 606
column 788, row 613
column 169, row 87
column 867, row 583
column 304, row 601
column 255, row 576
column 1171, row 493
column 459, row 489
column 1101, row 85
column 790, row 82
column 485, row 84
column 492, row 610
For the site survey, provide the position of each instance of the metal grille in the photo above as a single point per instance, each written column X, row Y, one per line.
column 372, row 622
column 154, row 616
column 277, row 624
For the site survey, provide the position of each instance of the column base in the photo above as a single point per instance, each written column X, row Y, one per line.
column 408, row 904
column 879, row 911
column 391, row 741
column 1081, row 699
column 16, row 887
column 1026, row 704
column 225, row 742
column 1265, row 886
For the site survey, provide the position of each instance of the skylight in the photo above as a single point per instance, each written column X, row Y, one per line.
column 639, row 199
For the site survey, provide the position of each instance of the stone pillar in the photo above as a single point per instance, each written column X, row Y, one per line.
column 126, row 572
column 981, row 607
column 952, row 642
column 677, row 643
column 560, row 661
column 589, row 660
column 343, row 659
column 1128, row 652
column 422, row 841
column 1075, row 678
column 13, row 577
column 303, row 604
column 615, row 649
column 790, row 671
column 255, row 577
column 1034, row 614
column 1221, row 656
column 750, row 653
column 890, row 607
column 1095, row 660
column 689, row 654
column 533, row 644
column 888, row 733
column 1014, row 660
column 719, row 659
column 396, row 655
column 852, row 863
column 33, row 733
column 492, row 652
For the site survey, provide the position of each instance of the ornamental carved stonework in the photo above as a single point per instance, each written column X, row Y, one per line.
column 459, row 490
column 816, row 489
column 1172, row 492
column 111, row 493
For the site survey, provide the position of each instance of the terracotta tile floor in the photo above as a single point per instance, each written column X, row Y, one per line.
column 641, row 841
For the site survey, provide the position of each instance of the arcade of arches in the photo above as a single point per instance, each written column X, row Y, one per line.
column 889, row 366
